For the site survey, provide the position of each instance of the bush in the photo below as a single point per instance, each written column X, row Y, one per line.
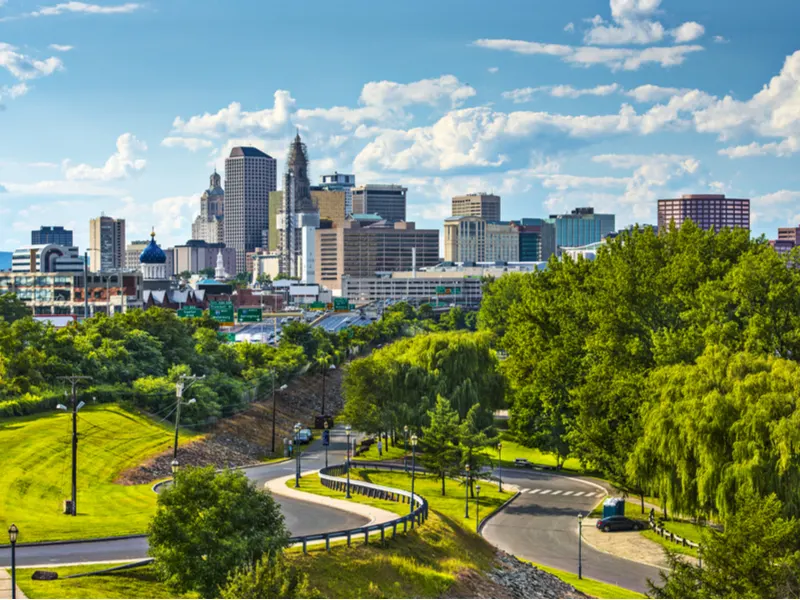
column 270, row 577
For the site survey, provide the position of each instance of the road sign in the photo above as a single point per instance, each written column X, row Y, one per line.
column 221, row 311
column 190, row 312
column 249, row 315
column 227, row 337
column 341, row 305
column 326, row 438
column 448, row 291
column 317, row 306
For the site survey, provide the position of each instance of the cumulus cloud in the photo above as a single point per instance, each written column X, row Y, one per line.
column 124, row 163
column 688, row 32
column 569, row 27
column 718, row 39
column 83, row 7
column 653, row 93
column 778, row 198
column 60, row 47
column 493, row 70
column 786, row 147
column 24, row 67
column 626, row 9
column 521, row 95
column 192, row 144
column 624, row 31
column 61, row 188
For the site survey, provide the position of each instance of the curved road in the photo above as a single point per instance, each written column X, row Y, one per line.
column 302, row 518
column 541, row 525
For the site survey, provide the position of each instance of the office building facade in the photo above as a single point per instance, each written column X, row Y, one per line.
column 340, row 182
column 361, row 250
column 472, row 239
column 197, row 255
column 132, row 252
column 51, row 235
column 708, row 211
column 106, row 244
column 46, row 258
column 581, row 227
column 482, row 205
column 537, row 239
column 209, row 225
column 387, row 201
column 250, row 176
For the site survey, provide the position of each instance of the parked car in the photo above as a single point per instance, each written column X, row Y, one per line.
column 304, row 436
column 619, row 523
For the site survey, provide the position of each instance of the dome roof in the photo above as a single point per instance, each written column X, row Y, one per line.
column 152, row 254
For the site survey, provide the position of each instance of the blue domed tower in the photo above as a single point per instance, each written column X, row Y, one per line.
column 153, row 262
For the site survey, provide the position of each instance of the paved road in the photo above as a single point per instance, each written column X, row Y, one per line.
column 302, row 518
column 541, row 525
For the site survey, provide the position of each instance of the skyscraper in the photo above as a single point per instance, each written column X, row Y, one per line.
column 341, row 182
column 51, row 235
column 209, row 225
column 106, row 244
column 386, row 201
column 297, row 210
column 581, row 227
column 250, row 175
column 708, row 211
column 483, row 205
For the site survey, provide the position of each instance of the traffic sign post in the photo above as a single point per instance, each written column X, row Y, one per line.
column 249, row 315
column 221, row 311
column 190, row 312
column 341, row 305
column 448, row 291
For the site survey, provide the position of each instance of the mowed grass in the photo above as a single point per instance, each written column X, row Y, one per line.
column 393, row 453
column 512, row 450
column 35, row 473
column 141, row 582
column 592, row 587
column 313, row 485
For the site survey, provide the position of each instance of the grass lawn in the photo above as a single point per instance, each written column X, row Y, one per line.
column 35, row 473
column 685, row 529
column 313, row 485
column 512, row 450
column 592, row 587
column 134, row 583
column 679, row 548
column 393, row 453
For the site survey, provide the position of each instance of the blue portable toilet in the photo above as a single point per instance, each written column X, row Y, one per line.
column 613, row 507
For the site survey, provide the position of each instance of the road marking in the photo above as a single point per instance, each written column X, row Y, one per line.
column 546, row 491
column 567, row 493
column 523, row 491
column 534, row 491
column 556, row 492
column 578, row 494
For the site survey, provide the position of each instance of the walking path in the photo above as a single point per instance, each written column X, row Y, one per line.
column 5, row 586
column 375, row 515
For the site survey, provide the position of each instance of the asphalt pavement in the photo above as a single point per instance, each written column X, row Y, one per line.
column 541, row 525
column 302, row 518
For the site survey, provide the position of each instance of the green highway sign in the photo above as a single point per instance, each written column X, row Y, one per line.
column 341, row 304
column 448, row 291
column 226, row 337
column 221, row 311
column 188, row 312
column 249, row 315
column 317, row 306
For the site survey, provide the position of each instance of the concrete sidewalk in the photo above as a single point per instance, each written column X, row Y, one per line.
column 375, row 515
column 5, row 585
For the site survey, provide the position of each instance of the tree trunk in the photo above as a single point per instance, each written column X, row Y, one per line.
column 641, row 496
column 443, row 483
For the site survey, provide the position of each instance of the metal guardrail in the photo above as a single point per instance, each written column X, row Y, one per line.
column 331, row 478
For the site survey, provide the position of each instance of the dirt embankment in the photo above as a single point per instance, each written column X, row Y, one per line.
column 246, row 438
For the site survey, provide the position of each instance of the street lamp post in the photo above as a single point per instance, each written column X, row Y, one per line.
column 499, row 466
column 13, row 531
column 477, row 507
column 413, row 467
column 297, row 454
column 327, row 436
column 174, row 466
column 466, row 493
column 580, row 536
column 405, row 446
column 347, row 430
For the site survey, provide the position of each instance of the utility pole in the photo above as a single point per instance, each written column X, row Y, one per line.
column 180, row 387
column 74, row 380
column 86, row 285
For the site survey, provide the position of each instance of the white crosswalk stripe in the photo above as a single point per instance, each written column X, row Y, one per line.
column 568, row 492
column 578, row 494
column 534, row 491
column 523, row 491
column 556, row 492
column 546, row 491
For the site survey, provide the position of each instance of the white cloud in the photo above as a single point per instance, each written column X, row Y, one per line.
column 83, row 7
column 521, row 95
column 192, row 144
column 688, row 32
column 629, row 59
column 777, row 198
column 393, row 95
column 652, row 93
column 61, row 188
column 786, row 147
column 493, row 70
column 624, row 31
column 60, row 47
column 569, row 27
column 622, row 9
column 14, row 91
column 24, row 67
column 120, row 165
column 718, row 39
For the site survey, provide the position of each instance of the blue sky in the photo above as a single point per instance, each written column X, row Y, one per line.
column 126, row 107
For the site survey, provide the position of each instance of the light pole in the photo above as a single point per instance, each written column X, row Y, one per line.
column 326, row 441
column 174, row 466
column 405, row 446
column 76, row 406
column 580, row 535
column 466, row 493
column 178, row 420
column 477, row 506
column 347, row 430
column 297, row 454
column 499, row 466
column 12, row 537
column 413, row 467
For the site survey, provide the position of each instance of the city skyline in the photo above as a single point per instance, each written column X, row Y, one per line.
column 538, row 104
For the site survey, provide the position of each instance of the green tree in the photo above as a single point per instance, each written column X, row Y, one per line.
column 270, row 577
column 756, row 556
column 441, row 455
column 11, row 308
column 185, row 275
column 453, row 320
column 209, row 524
column 476, row 435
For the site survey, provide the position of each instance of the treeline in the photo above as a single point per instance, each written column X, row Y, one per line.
column 137, row 357
column 668, row 363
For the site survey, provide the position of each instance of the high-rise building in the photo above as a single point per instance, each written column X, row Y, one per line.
column 331, row 205
column 250, row 175
column 340, row 182
column 297, row 209
column 472, row 239
column 365, row 246
column 387, row 201
column 708, row 211
column 197, row 255
column 46, row 258
column 209, row 225
column 51, row 235
column 581, row 227
column 132, row 252
column 482, row 205
column 537, row 240
column 106, row 244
